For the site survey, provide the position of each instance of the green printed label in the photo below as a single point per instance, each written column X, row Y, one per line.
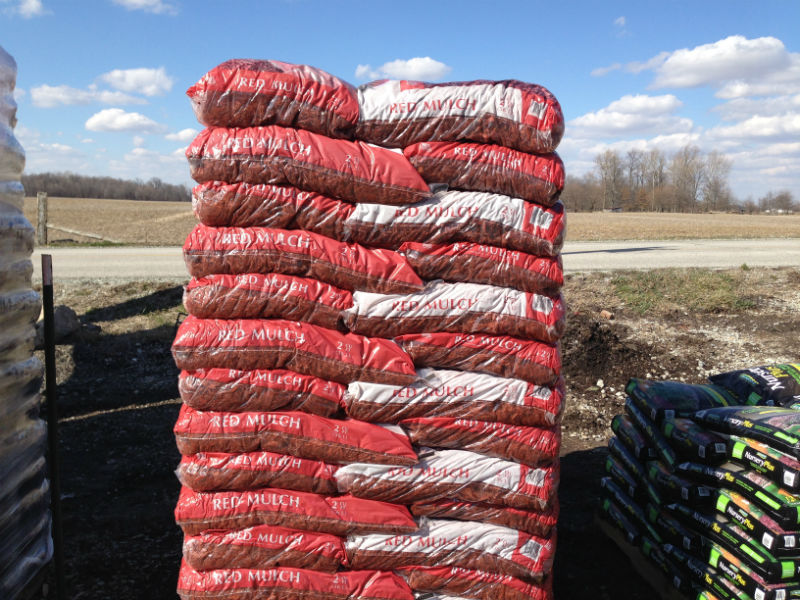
column 787, row 570
column 767, row 500
column 752, row 554
column 787, row 438
column 714, row 558
column 722, row 503
column 738, row 450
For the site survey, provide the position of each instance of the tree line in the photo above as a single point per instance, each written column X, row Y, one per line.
column 686, row 181
column 72, row 185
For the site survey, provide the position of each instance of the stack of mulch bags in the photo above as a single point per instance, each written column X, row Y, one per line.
column 25, row 540
column 325, row 271
column 705, row 481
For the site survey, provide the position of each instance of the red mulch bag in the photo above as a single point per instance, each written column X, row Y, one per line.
column 455, row 474
column 455, row 216
column 533, row 522
column 510, row 113
column 489, row 168
column 263, row 547
column 244, row 391
column 470, row 583
column 220, row 204
column 497, row 355
column 442, row 542
column 458, row 308
column 351, row 171
column 252, row 344
column 214, row 471
column 340, row 515
column 284, row 583
column 245, row 250
column 478, row 263
column 248, row 92
column 260, row 296
column 443, row 393
column 530, row 446
column 293, row 433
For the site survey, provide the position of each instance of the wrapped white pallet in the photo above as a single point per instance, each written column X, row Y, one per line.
column 25, row 539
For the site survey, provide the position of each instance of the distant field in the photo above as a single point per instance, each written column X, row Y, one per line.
column 168, row 223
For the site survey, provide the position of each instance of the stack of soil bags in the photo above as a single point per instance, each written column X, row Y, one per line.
column 25, row 542
column 371, row 375
column 705, row 480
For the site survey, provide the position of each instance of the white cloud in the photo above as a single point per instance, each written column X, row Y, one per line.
column 633, row 115
column 116, row 119
column 184, row 135
column 27, row 9
column 601, row 71
column 741, row 109
column 619, row 21
column 19, row 94
column 758, row 127
column 157, row 7
column 418, row 68
column 150, row 82
column 87, row 141
column 51, row 96
column 171, row 167
column 42, row 156
column 138, row 141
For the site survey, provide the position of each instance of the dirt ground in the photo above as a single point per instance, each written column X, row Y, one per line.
column 118, row 402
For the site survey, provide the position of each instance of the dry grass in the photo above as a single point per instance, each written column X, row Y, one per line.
column 671, row 226
column 168, row 223
column 126, row 221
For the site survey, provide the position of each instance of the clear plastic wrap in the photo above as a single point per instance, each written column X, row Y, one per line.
column 284, row 583
column 458, row 394
column 442, row 542
column 249, row 92
column 244, row 250
column 458, row 308
column 490, row 168
column 12, row 196
column 213, row 471
column 455, row 216
column 350, row 171
column 264, row 547
column 293, row 433
column 27, row 564
column 477, row 263
column 253, row 344
column 530, row 446
column 16, row 240
column 221, row 204
column 261, row 390
column 338, row 515
column 478, row 585
column 266, row 296
column 12, row 156
column 511, row 113
column 17, row 342
column 455, row 474
column 505, row 356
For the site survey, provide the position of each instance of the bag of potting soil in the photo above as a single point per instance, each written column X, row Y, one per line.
column 724, row 532
column 694, row 442
column 757, row 523
column 611, row 512
column 664, row 563
column 776, row 427
column 617, row 471
column 672, row 485
column 669, row 399
column 632, row 438
column 672, row 530
column 717, row 587
column 646, row 490
column 748, row 581
column 664, row 451
column 770, row 384
column 631, row 509
column 772, row 464
column 780, row 504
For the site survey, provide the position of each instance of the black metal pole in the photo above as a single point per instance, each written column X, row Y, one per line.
column 52, row 423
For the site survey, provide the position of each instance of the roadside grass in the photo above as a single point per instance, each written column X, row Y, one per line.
column 699, row 290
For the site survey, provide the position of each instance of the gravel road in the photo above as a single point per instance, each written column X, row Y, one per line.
column 166, row 263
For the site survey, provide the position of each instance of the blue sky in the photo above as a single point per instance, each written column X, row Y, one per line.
column 101, row 83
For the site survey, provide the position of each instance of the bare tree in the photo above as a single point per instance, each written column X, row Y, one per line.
column 609, row 166
column 716, row 193
column 688, row 173
column 635, row 165
column 655, row 173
